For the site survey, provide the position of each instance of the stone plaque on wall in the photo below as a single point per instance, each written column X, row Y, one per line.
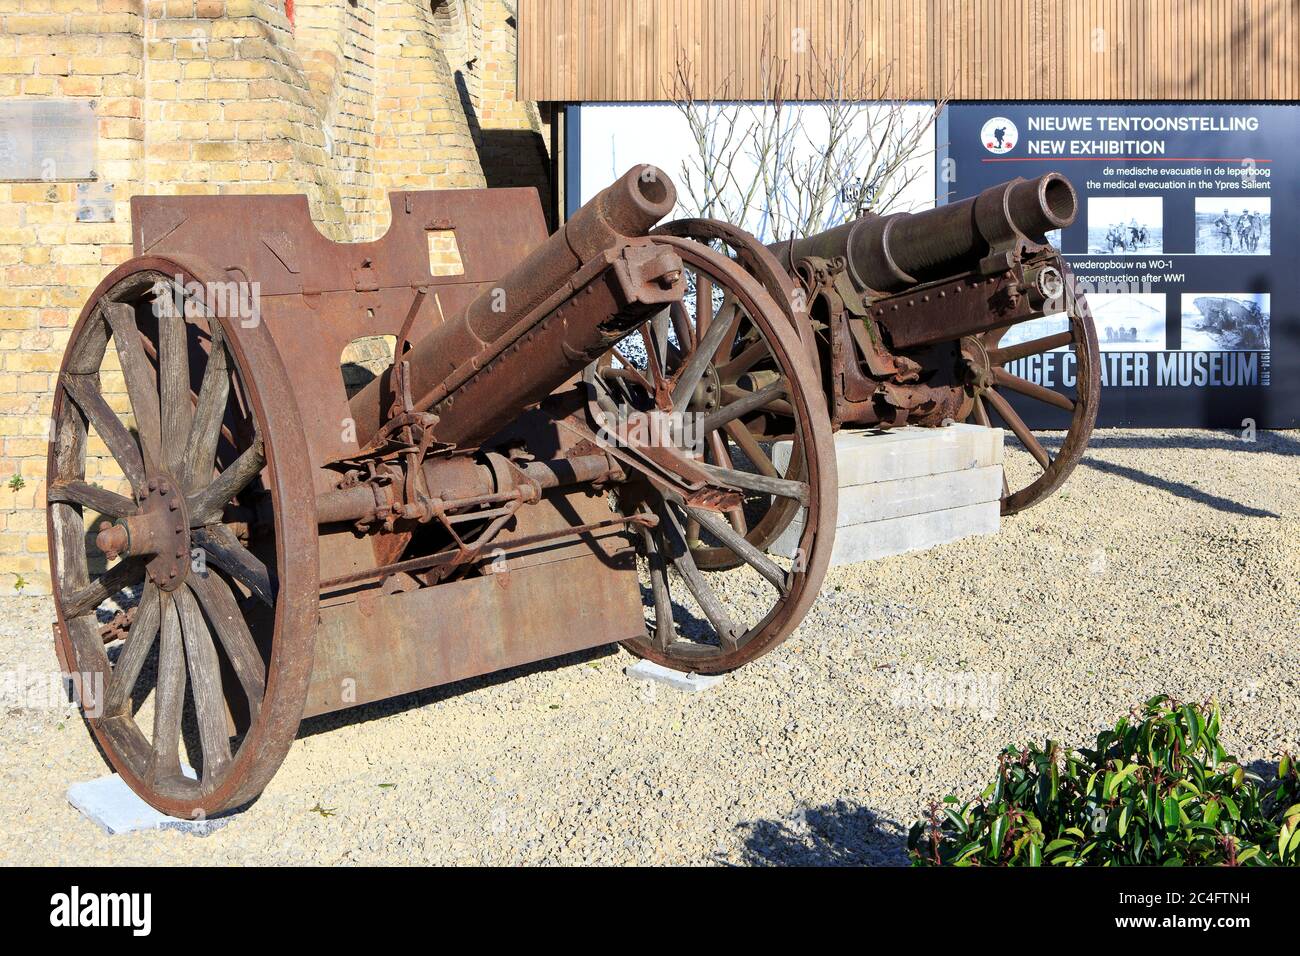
column 47, row 140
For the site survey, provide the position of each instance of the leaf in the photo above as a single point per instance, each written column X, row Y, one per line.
column 1108, row 785
column 1171, row 812
column 1193, row 726
column 1211, row 813
column 1057, row 844
column 996, row 832
column 1036, row 855
column 1230, row 805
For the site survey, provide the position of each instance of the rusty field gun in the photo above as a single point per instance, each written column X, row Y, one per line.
column 931, row 317
column 277, row 547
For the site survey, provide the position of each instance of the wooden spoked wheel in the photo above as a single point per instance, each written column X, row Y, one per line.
column 986, row 362
column 207, row 550
column 740, row 364
column 725, row 367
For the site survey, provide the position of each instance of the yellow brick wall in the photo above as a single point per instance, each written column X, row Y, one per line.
column 68, row 49
column 514, row 135
column 223, row 96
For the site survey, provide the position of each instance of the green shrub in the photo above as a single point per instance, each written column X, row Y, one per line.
column 1158, row 789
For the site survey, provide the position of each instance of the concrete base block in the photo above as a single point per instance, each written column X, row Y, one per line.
column 913, row 496
column 691, row 683
column 873, row 540
column 114, row 808
column 908, row 489
column 865, row 457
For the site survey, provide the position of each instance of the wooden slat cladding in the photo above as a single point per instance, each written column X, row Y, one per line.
column 633, row 50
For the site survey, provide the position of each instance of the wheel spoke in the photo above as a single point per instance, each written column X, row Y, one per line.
column 1001, row 356
column 718, row 448
column 680, row 555
column 1031, row 389
column 79, row 492
column 86, row 599
column 205, row 431
column 734, row 315
column 174, row 385
column 746, row 481
column 654, row 335
column 141, row 388
column 631, row 372
column 1004, row 411
column 206, row 506
column 205, row 683
column 169, row 694
column 749, row 356
column 219, row 604
column 703, row 303
column 84, row 390
column 747, row 443
column 224, row 550
column 756, row 559
column 750, row 402
column 697, row 363
column 135, row 651
column 665, row 632
column 682, row 326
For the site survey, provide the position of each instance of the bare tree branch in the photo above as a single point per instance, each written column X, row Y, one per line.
column 781, row 167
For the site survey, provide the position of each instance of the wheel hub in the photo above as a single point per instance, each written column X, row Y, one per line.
column 708, row 393
column 159, row 530
column 976, row 364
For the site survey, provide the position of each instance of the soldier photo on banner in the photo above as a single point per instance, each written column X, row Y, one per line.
column 1237, row 226
column 1123, row 226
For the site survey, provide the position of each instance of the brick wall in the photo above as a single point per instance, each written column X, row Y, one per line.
column 225, row 96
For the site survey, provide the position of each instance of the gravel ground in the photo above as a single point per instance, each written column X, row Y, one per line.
column 1169, row 562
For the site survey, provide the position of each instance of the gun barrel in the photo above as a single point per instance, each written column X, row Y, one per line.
column 445, row 363
column 890, row 253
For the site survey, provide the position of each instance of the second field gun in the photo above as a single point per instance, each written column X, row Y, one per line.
column 927, row 318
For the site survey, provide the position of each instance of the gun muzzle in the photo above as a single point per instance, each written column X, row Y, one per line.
column 890, row 253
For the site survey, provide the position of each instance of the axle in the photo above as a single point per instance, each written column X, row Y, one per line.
column 462, row 485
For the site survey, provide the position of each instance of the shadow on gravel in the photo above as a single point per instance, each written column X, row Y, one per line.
column 396, row 705
column 1267, row 441
column 1278, row 443
column 839, row 834
column 1178, row 489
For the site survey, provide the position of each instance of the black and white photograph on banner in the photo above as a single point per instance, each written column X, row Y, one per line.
column 1124, row 225
column 1238, row 226
column 1054, row 324
column 1230, row 322
column 1129, row 321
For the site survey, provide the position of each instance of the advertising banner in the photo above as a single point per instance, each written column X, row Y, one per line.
column 1185, row 245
